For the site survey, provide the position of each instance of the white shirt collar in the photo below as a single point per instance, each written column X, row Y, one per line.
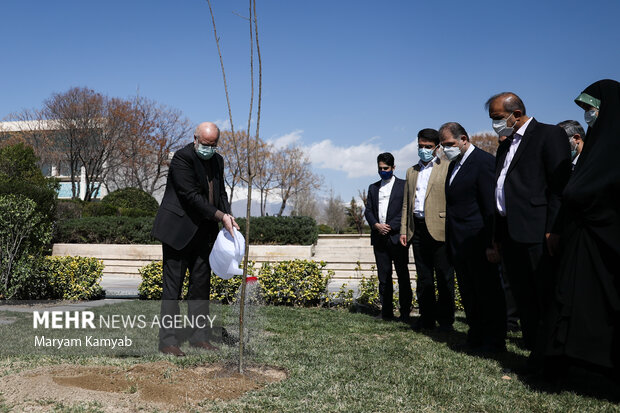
column 522, row 129
column 386, row 182
column 429, row 164
column 467, row 153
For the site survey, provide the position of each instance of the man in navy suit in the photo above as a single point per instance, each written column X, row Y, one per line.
column 383, row 213
column 469, row 211
column 532, row 167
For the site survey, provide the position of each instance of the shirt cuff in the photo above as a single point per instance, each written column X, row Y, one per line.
column 219, row 215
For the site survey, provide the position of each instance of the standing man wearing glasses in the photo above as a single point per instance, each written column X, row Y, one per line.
column 424, row 226
column 383, row 213
column 194, row 202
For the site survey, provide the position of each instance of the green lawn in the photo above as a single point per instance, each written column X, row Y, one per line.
column 343, row 362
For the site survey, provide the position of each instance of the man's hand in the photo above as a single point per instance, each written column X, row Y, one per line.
column 493, row 255
column 229, row 222
column 553, row 243
column 382, row 228
column 403, row 240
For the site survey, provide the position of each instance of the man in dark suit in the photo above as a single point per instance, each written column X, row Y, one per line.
column 469, row 212
column 194, row 203
column 532, row 168
column 383, row 213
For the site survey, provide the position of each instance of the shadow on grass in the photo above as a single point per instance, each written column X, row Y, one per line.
column 582, row 380
column 579, row 379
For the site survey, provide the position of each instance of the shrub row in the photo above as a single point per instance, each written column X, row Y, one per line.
column 367, row 298
column 67, row 278
column 281, row 230
column 126, row 202
column 137, row 230
column 105, row 230
column 296, row 283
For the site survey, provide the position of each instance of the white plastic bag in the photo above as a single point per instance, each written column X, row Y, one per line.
column 227, row 253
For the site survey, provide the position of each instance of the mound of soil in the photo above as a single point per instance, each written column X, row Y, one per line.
column 131, row 388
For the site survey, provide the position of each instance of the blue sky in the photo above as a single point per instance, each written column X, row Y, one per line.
column 344, row 79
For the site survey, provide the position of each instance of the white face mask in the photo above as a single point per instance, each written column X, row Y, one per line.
column 452, row 152
column 499, row 126
column 590, row 116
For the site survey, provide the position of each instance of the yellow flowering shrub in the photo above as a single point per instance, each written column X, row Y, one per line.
column 151, row 288
column 74, row 278
column 297, row 282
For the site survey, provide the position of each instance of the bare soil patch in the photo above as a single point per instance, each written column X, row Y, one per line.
column 161, row 385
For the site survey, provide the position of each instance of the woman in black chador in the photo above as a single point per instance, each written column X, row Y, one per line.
column 585, row 318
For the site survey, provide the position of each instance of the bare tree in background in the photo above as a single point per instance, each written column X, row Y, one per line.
column 293, row 174
column 305, row 204
column 486, row 141
column 265, row 179
column 155, row 131
column 30, row 128
column 232, row 155
column 335, row 213
column 89, row 127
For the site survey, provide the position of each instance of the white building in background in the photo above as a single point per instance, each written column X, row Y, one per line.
column 59, row 170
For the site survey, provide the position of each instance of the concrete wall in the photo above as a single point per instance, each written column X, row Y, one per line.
column 349, row 256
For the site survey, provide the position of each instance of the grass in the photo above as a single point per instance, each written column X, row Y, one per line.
column 343, row 362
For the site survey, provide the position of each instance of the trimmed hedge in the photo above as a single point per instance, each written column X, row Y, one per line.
column 75, row 278
column 106, row 230
column 67, row 278
column 281, row 230
column 151, row 287
column 299, row 283
column 137, row 230
column 134, row 199
column 296, row 283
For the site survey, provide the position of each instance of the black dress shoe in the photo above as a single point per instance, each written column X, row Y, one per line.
column 404, row 319
column 173, row 351
column 419, row 325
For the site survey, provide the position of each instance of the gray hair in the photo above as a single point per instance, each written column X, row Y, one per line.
column 455, row 129
column 512, row 102
column 572, row 128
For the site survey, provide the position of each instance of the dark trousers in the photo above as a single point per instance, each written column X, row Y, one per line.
column 387, row 253
column 482, row 296
column 431, row 260
column 512, row 315
column 195, row 258
column 529, row 274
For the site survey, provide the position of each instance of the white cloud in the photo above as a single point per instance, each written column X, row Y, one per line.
column 286, row 140
column 223, row 124
column 355, row 160
column 359, row 160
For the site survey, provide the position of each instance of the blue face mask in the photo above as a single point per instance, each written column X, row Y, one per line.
column 385, row 175
column 205, row 152
column 425, row 154
column 573, row 154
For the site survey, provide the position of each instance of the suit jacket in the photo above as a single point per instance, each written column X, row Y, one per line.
column 470, row 204
column 434, row 202
column 185, row 205
column 395, row 206
column 535, row 180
